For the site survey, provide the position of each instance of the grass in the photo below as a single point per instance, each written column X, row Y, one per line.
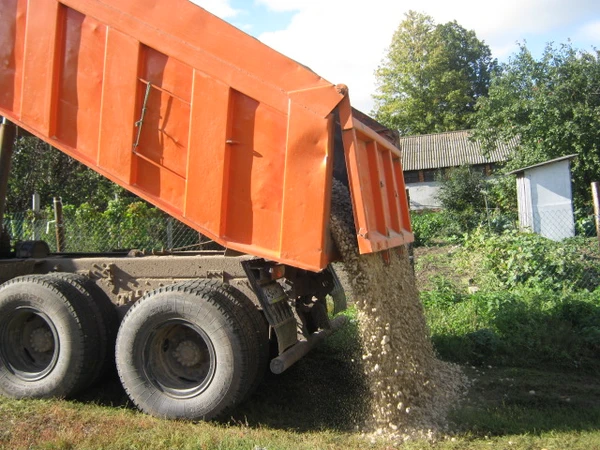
column 317, row 405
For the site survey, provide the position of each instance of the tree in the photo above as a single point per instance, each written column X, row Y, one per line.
column 552, row 105
column 431, row 77
column 37, row 167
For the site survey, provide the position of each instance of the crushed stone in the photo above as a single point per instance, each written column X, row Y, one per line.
column 411, row 391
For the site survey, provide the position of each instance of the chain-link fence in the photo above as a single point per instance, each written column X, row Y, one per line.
column 486, row 249
column 90, row 232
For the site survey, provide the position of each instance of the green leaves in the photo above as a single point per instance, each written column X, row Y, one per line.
column 37, row 167
column 552, row 105
column 432, row 76
column 515, row 259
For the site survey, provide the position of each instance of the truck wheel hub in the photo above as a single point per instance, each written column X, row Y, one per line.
column 188, row 354
column 41, row 340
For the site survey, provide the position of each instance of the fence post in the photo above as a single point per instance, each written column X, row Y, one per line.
column 58, row 224
column 8, row 131
column 36, row 216
column 596, row 197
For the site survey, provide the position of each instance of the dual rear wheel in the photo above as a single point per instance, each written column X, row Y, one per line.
column 191, row 350
column 50, row 341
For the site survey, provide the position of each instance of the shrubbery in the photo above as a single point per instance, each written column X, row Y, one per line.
column 125, row 224
column 429, row 226
column 538, row 302
column 462, row 194
column 515, row 259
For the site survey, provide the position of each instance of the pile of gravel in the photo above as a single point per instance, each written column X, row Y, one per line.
column 411, row 390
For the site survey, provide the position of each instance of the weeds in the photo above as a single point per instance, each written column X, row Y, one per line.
column 514, row 259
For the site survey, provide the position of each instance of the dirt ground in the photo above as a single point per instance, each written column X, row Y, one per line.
column 437, row 261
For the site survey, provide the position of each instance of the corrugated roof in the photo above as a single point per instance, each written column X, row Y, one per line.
column 451, row 149
column 545, row 163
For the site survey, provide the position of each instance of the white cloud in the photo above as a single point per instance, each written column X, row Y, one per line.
column 345, row 40
column 590, row 31
column 220, row 8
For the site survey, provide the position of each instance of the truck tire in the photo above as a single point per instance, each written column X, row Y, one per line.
column 251, row 321
column 48, row 339
column 104, row 314
column 181, row 353
column 338, row 295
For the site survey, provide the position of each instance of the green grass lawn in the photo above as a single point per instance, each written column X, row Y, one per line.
column 317, row 405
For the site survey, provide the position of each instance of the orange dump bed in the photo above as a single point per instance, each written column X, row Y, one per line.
column 200, row 119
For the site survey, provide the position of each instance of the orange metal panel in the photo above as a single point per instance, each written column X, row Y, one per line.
column 205, row 122
column 12, row 37
column 308, row 169
column 119, row 106
column 377, row 184
column 186, row 32
column 164, row 187
column 378, row 194
column 164, row 131
column 208, row 164
column 77, row 111
column 403, row 211
column 392, row 192
column 39, row 64
column 255, row 180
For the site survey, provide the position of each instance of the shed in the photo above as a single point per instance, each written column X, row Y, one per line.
column 545, row 198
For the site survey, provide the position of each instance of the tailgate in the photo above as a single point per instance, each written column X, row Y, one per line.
column 379, row 200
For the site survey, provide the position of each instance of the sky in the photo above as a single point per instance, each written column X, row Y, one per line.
column 344, row 41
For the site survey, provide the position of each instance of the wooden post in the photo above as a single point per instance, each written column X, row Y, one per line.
column 36, row 216
column 596, row 197
column 58, row 224
column 410, row 246
column 7, row 138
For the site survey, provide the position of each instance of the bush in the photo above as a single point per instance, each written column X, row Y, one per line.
column 429, row 226
column 585, row 224
column 515, row 259
column 433, row 227
column 462, row 195
column 125, row 224
column 462, row 190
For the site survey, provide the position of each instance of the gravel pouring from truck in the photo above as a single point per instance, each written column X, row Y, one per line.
column 223, row 133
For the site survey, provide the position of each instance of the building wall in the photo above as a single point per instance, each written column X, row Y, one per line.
column 423, row 189
column 423, row 195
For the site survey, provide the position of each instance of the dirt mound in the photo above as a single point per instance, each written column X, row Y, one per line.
column 411, row 390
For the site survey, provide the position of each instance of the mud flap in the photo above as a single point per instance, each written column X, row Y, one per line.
column 274, row 302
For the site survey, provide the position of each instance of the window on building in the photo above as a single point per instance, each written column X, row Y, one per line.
column 429, row 175
column 411, row 176
column 479, row 168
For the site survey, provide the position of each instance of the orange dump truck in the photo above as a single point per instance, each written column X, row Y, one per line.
column 224, row 134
